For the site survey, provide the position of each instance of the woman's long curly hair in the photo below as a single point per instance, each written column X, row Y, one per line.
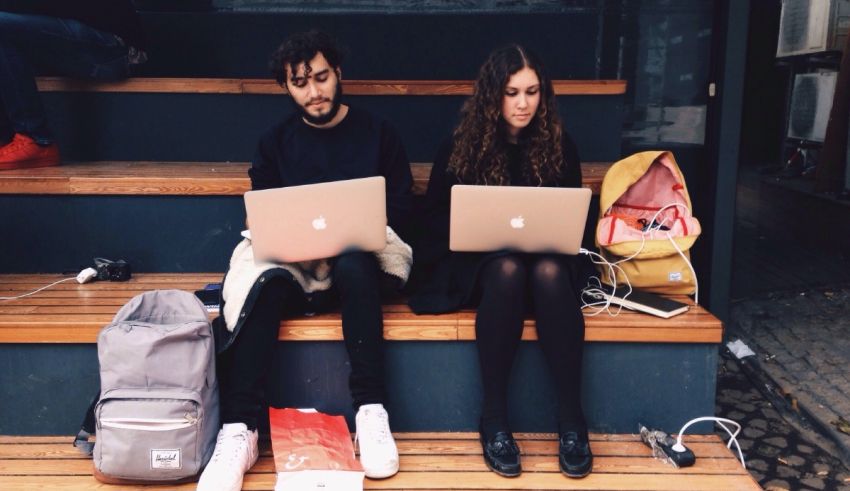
column 479, row 154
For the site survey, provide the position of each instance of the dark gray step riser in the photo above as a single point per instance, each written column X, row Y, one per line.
column 53, row 234
column 205, row 127
column 406, row 46
column 153, row 233
column 662, row 385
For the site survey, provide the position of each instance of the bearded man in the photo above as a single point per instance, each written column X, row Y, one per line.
column 323, row 140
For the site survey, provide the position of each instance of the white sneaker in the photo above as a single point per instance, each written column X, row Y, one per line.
column 378, row 453
column 235, row 452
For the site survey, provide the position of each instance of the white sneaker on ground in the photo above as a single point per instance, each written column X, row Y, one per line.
column 235, row 452
column 378, row 453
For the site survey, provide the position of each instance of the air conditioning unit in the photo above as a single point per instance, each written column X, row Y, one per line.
column 811, row 102
column 813, row 26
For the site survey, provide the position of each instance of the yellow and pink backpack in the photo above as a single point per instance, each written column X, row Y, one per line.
column 646, row 225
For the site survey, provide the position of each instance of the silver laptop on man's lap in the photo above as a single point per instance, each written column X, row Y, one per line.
column 316, row 221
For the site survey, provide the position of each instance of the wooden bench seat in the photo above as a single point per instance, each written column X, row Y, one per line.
column 74, row 313
column 427, row 461
column 179, row 178
column 268, row 86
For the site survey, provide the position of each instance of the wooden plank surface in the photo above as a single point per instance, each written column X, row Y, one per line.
column 418, row 463
column 72, row 313
column 180, row 178
column 419, row 435
column 427, row 461
column 267, row 86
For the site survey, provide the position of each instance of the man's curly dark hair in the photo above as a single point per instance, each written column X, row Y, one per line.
column 301, row 48
column 479, row 154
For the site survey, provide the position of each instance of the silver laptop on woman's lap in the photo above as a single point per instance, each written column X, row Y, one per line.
column 316, row 221
column 525, row 219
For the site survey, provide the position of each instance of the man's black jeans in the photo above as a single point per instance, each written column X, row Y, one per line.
column 356, row 286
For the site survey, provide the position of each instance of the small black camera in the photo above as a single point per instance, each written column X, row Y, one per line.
column 112, row 270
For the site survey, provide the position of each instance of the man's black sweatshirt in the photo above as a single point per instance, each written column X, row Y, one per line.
column 293, row 153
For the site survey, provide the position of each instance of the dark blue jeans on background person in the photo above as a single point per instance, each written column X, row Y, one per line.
column 67, row 47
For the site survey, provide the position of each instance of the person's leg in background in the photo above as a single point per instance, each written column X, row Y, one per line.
column 65, row 46
column 7, row 132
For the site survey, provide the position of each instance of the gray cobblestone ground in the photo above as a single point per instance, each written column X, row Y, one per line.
column 802, row 343
column 791, row 301
column 793, row 394
column 779, row 455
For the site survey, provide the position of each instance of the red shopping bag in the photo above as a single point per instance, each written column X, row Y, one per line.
column 313, row 451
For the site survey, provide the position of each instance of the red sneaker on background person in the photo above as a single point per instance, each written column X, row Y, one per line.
column 24, row 153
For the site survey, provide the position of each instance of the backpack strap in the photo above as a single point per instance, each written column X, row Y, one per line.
column 87, row 429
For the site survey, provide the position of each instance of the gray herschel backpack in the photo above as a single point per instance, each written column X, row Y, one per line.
column 157, row 415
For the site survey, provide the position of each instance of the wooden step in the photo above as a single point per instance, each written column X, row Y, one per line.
column 74, row 313
column 267, row 86
column 180, row 178
column 427, row 461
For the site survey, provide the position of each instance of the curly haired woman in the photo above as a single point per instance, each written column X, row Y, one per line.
column 510, row 134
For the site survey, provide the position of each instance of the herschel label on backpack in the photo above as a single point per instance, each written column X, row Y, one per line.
column 646, row 224
column 157, row 416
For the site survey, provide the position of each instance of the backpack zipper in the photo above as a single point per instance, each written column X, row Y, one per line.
column 150, row 424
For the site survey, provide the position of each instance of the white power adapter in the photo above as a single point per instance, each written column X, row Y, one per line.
column 86, row 275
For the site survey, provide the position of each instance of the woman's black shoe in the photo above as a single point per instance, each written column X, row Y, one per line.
column 574, row 455
column 501, row 454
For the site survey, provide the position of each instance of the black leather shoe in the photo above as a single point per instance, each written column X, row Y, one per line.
column 574, row 455
column 501, row 454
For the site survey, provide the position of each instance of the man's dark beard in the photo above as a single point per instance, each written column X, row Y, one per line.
column 326, row 118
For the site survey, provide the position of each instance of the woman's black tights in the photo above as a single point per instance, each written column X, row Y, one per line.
column 505, row 284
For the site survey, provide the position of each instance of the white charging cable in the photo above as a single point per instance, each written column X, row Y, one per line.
column 84, row 276
column 673, row 242
column 40, row 289
column 691, row 266
column 603, row 304
column 733, row 437
column 597, row 290
column 650, row 228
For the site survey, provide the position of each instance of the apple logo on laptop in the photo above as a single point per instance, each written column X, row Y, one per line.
column 518, row 222
column 320, row 223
